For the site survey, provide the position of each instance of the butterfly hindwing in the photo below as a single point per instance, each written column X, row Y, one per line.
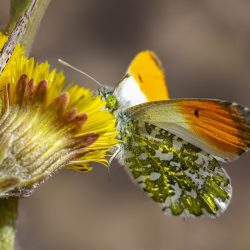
column 182, row 178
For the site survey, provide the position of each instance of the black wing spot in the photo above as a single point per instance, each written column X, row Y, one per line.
column 140, row 78
column 196, row 113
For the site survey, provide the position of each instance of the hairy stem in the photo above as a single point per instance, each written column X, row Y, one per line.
column 8, row 217
column 17, row 9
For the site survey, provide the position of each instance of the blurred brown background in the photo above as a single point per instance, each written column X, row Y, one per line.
column 205, row 49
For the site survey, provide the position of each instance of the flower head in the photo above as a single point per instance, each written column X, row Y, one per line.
column 45, row 125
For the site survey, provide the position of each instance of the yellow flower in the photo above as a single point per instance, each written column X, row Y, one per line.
column 45, row 125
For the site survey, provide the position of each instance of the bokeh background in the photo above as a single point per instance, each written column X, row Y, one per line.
column 205, row 49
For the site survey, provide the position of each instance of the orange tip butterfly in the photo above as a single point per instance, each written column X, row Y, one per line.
column 172, row 147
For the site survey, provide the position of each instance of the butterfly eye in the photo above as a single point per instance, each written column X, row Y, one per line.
column 112, row 102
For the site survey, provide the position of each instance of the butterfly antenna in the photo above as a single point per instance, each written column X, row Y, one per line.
column 80, row 71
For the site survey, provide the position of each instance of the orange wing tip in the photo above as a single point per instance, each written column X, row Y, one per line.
column 242, row 119
column 224, row 125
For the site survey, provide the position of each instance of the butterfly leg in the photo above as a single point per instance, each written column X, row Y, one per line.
column 116, row 152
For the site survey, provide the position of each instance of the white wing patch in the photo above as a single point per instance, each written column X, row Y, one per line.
column 128, row 93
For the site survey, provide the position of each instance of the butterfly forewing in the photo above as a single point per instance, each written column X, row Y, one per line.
column 144, row 81
column 182, row 178
column 218, row 127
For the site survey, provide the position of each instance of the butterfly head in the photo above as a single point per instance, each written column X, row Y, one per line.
column 112, row 102
column 107, row 94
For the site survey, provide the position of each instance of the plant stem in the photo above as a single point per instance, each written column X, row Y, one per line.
column 17, row 9
column 8, row 218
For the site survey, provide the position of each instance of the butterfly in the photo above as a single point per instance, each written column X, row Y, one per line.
column 173, row 147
